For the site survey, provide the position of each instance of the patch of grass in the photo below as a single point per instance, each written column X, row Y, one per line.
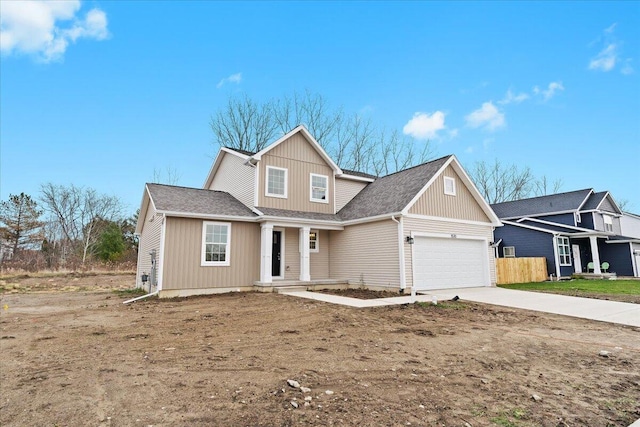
column 625, row 287
column 446, row 305
column 134, row 292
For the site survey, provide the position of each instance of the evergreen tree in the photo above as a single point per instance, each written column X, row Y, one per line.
column 21, row 225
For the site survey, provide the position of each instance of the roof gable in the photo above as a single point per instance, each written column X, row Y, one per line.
column 543, row 205
column 302, row 130
column 601, row 201
column 218, row 161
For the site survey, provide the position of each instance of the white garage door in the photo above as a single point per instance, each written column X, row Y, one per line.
column 442, row 263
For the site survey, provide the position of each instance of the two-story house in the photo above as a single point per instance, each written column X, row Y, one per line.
column 578, row 232
column 289, row 214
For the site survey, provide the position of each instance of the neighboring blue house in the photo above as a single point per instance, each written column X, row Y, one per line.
column 571, row 230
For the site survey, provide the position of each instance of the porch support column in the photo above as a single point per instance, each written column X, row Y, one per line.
column 305, row 269
column 266, row 250
column 595, row 255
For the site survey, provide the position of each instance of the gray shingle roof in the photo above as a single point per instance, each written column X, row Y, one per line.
column 540, row 205
column 299, row 214
column 186, row 200
column 391, row 193
column 593, row 201
column 360, row 174
column 245, row 152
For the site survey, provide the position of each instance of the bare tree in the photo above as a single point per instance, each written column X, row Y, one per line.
column 78, row 213
column 352, row 141
column 499, row 183
column 169, row 176
column 542, row 186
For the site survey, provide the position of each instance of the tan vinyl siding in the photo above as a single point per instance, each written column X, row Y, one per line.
column 291, row 254
column 236, row 178
column 300, row 159
column 183, row 250
column 319, row 261
column 346, row 189
column 367, row 252
column 149, row 240
column 443, row 227
column 461, row 206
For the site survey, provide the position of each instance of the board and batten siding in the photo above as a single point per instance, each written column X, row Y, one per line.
column 301, row 160
column 236, row 178
column 183, row 252
column 418, row 225
column 461, row 206
column 366, row 253
column 346, row 189
column 149, row 240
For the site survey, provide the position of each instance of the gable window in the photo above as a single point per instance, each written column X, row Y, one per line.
column 449, row 186
column 276, row 182
column 608, row 223
column 313, row 241
column 216, row 239
column 319, row 188
column 564, row 252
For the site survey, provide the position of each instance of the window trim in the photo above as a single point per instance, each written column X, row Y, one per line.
column 203, row 247
column 511, row 252
column 326, row 188
column 317, row 249
column 286, row 182
column 452, row 181
column 567, row 255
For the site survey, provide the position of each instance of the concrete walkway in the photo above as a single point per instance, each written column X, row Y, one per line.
column 586, row 308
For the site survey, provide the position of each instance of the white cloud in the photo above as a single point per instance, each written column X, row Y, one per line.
column 233, row 78
column 627, row 68
column 550, row 91
column 511, row 98
column 424, row 126
column 606, row 59
column 34, row 27
column 487, row 117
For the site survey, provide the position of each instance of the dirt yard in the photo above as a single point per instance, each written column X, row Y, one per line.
column 81, row 357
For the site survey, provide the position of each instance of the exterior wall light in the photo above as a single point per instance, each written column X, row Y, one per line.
column 410, row 240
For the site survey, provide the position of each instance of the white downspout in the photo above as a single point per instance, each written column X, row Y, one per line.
column 161, row 255
column 556, row 256
column 403, row 279
column 139, row 298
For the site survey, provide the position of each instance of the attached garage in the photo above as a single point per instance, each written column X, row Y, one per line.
column 446, row 262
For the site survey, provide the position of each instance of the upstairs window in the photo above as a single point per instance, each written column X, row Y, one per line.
column 449, row 186
column 564, row 252
column 216, row 237
column 608, row 223
column 319, row 188
column 276, row 182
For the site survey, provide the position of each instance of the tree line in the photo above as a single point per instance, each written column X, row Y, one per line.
column 67, row 227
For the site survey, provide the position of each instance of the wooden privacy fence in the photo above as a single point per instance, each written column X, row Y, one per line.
column 521, row 270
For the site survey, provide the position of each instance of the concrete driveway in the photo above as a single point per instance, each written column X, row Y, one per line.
column 587, row 308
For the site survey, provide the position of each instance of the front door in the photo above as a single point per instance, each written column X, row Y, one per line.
column 276, row 254
column 576, row 258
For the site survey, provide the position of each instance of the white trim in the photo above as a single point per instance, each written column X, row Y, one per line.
column 266, row 249
column 401, row 257
column 355, row 178
column 591, row 192
column 452, row 181
column 317, row 233
column 512, row 251
column 305, row 263
column 568, row 250
column 160, row 266
column 556, row 256
column 286, row 182
column 634, row 261
column 326, row 188
column 370, row 218
column 203, row 246
column 209, row 216
column 256, row 190
column 216, row 164
column 443, row 219
column 541, row 214
column 310, row 138
column 297, row 222
column 557, row 224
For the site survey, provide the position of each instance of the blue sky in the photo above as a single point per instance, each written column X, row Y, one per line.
column 101, row 93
